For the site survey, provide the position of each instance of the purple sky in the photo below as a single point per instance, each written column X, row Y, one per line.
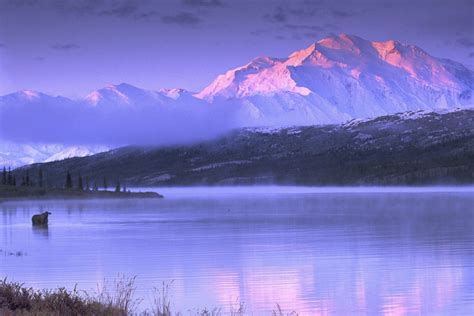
column 73, row 47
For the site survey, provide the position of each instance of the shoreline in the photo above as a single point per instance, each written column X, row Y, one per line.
column 8, row 193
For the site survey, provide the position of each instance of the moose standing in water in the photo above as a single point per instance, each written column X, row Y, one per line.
column 40, row 219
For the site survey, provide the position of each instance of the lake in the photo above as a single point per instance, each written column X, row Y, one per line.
column 337, row 251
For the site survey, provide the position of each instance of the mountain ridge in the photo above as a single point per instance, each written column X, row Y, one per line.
column 401, row 149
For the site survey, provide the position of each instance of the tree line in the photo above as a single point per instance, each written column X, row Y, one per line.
column 82, row 184
column 85, row 184
column 7, row 177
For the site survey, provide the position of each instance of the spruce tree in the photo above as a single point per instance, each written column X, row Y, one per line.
column 9, row 177
column 68, row 181
column 4, row 176
column 88, row 188
column 96, row 188
column 80, row 185
column 40, row 178
column 124, row 188
column 27, row 179
column 105, row 184
column 117, row 187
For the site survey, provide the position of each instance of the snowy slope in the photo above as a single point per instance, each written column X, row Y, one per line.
column 15, row 155
column 124, row 95
column 33, row 98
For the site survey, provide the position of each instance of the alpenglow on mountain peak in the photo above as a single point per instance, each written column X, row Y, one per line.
column 348, row 62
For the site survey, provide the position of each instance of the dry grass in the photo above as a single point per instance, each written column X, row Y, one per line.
column 121, row 297
column 161, row 301
column 116, row 299
column 15, row 299
column 279, row 312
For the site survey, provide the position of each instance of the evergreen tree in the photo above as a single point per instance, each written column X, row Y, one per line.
column 4, row 176
column 68, row 181
column 96, row 188
column 117, row 187
column 105, row 184
column 88, row 188
column 9, row 177
column 80, row 185
column 124, row 188
column 40, row 178
column 13, row 181
column 27, row 179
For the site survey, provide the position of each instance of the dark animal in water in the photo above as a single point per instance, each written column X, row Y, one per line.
column 40, row 219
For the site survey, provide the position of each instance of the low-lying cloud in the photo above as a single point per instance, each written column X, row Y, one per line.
column 88, row 125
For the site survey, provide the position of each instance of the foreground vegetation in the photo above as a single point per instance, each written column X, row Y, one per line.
column 16, row 299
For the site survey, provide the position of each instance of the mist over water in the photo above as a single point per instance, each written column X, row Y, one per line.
column 313, row 250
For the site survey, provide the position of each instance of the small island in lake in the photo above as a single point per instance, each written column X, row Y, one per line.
column 82, row 190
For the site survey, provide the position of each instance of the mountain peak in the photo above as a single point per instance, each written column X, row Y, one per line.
column 174, row 93
column 123, row 87
column 339, row 41
column 115, row 92
column 30, row 94
column 349, row 74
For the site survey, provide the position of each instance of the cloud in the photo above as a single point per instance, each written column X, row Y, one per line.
column 65, row 47
column 342, row 14
column 60, row 120
column 203, row 3
column 465, row 42
column 183, row 18
column 121, row 10
column 146, row 15
column 293, row 31
column 125, row 9
column 277, row 16
column 471, row 55
column 304, row 27
column 2, row 45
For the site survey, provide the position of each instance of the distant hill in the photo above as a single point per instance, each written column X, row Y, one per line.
column 401, row 149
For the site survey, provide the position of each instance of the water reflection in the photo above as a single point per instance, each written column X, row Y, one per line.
column 339, row 253
column 41, row 231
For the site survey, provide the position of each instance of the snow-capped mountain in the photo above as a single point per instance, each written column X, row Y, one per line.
column 176, row 93
column 32, row 98
column 342, row 77
column 125, row 95
column 15, row 155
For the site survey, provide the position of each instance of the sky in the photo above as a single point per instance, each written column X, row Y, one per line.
column 71, row 48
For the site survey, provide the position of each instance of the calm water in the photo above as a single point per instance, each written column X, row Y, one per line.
column 336, row 251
